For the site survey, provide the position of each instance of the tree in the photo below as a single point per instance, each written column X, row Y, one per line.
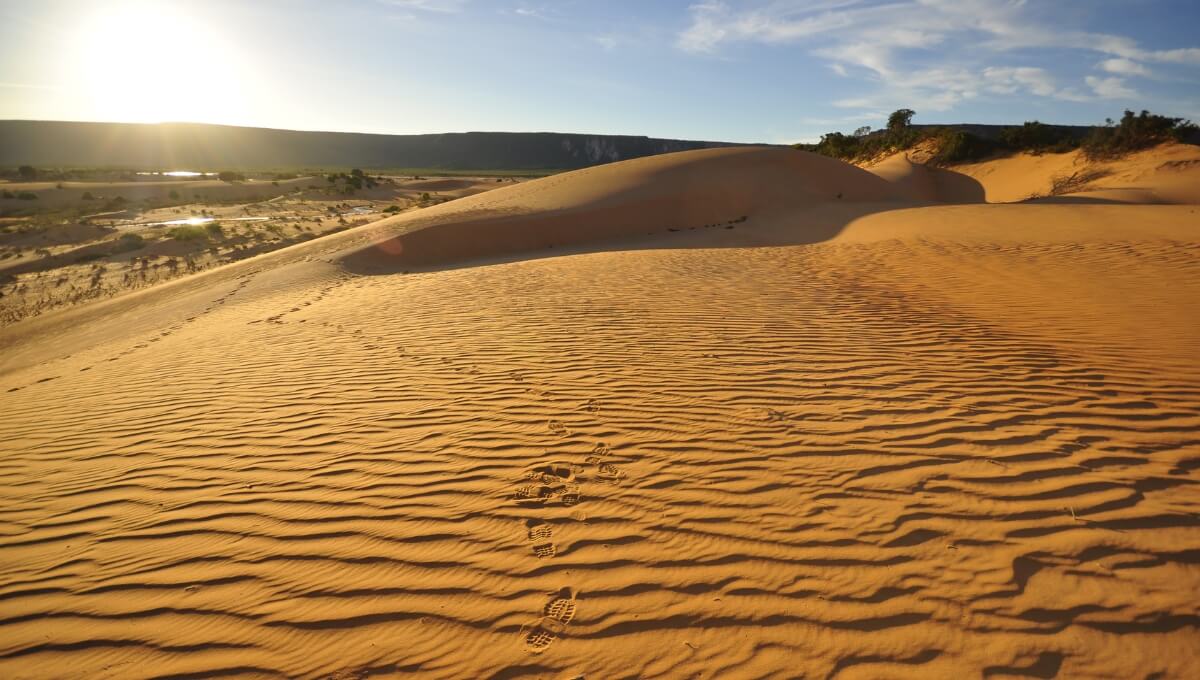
column 863, row 131
column 900, row 120
column 27, row 172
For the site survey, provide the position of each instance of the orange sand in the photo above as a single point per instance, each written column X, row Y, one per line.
column 772, row 416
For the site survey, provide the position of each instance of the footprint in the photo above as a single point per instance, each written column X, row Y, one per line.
column 592, row 406
column 598, row 453
column 553, row 472
column 557, row 614
column 609, row 472
column 562, row 608
column 557, row 428
column 540, row 533
column 541, row 634
column 548, row 494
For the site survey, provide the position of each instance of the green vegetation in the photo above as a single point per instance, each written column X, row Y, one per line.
column 950, row 145
column 214, row 230
column 27, row 196
column 7, row 194
column 87, row 196
column 189, row 233
column 1133, row 133
column 27, row 173
column 1037, row 137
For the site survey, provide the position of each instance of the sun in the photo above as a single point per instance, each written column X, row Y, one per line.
column 154, row 62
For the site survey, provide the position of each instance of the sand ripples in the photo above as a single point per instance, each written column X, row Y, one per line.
column 779, row 462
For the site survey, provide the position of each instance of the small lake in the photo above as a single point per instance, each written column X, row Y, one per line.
column 179, row 173
column 193, row 221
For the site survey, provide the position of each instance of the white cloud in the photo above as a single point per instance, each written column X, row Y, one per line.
column 607, row 42
column 1110, row 88
column 1124, row 67
column 446, row 6
column 891, row 44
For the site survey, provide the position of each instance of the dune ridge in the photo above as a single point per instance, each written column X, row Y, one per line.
column 854, row 436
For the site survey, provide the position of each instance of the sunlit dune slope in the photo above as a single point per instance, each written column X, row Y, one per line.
column 850, row 437
column 707, row 189
column 1169, row 173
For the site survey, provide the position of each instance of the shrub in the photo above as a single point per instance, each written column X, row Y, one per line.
column 392, row 209
column 87, row 196
column 8, row 194
column 1037, row 137
column 174, row 194
column 129, row 241
column 27, row 173
column 27, row 196
column 1134, row 132
column 957, row 146
column 900, row 120
column 230, row 176
column 188, row 233
column 214, row 229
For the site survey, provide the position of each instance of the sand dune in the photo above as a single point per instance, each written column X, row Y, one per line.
column 1167, row 174
column 854, row 436
column 710, row 189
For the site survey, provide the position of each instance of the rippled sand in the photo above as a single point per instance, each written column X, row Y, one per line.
column 826, row 440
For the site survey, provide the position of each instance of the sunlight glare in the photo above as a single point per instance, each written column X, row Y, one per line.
column 143, row 61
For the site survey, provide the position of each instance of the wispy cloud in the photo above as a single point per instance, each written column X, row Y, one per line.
column 1124, row 67
column 1110, row 88
column 444, row 6
column 891, row 44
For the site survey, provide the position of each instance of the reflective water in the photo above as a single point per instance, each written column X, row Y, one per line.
column 191, row 221
column 180, row 173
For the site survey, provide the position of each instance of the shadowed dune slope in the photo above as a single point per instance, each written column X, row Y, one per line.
column 938, row 441
column 918, row 182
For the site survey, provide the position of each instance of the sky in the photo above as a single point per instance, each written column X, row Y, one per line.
column 774, row 71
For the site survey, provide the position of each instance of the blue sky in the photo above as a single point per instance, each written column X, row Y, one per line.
column 752, row 70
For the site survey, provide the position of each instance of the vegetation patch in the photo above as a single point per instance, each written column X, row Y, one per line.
column 129, row 241
column 1112, row 140
column 189, row 233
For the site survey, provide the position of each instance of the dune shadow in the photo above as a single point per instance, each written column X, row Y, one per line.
column 955, row 187
column 487, row 240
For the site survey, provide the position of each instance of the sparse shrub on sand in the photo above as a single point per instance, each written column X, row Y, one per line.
column 174, row 194
column 230, row 176
column 27, row 172
column 129, row 241
column 8, row 194
column 87, row 196
column 214, row 230
column 27, row 196
column 188, row 233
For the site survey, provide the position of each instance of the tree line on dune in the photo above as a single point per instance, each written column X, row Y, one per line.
column 951, row 144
